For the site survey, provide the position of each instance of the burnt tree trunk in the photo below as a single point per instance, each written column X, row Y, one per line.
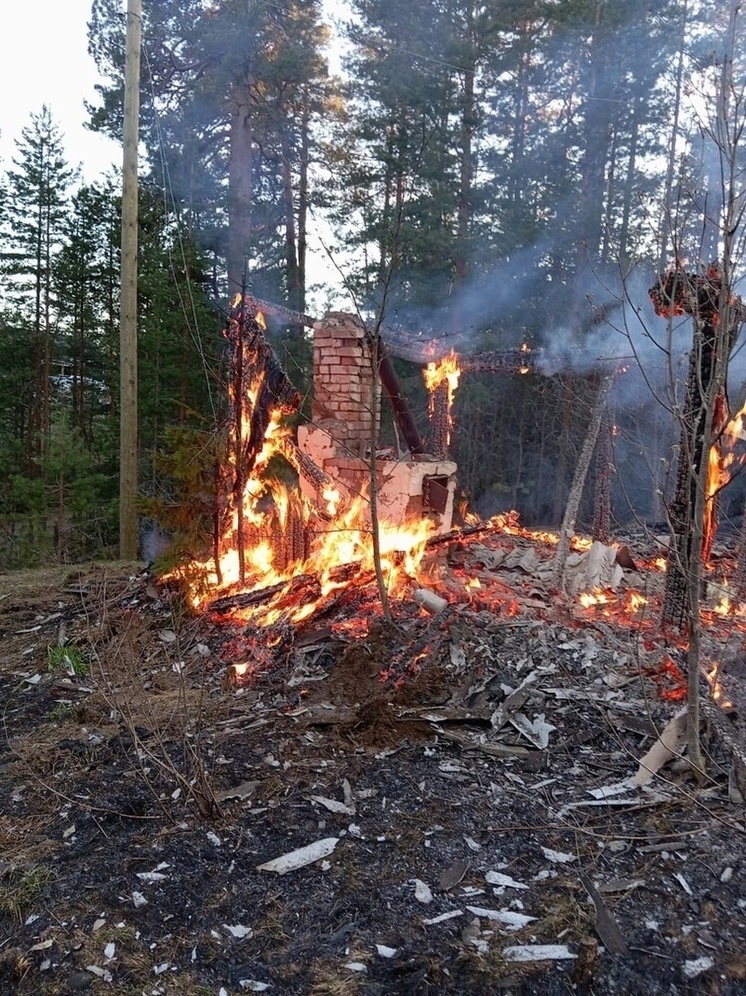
column 241, row 138
column 602, row 492
column 701, row 296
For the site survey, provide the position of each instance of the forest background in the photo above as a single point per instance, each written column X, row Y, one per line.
column 482, row 175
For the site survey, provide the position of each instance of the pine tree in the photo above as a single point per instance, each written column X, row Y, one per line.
column 230, row 100
column 38, row 191
column 86, row 280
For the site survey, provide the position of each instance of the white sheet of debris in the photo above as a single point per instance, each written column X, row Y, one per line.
column 593, row 569
column 300, row 857
column 538, row 952
column 508, row 918
column 505, row 881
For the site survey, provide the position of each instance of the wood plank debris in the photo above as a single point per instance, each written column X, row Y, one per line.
column 665, row 749
column 606, row 926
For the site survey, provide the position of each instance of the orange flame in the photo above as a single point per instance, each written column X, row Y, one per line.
column 447, row 372
column 718, row 692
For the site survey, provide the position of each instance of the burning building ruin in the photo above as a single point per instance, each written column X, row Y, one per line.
column 270, row 529
column 345, row 426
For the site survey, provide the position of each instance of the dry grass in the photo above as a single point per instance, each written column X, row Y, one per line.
column 146, row 677
column 331, row 980
column 20, row 889
column 24, row 839
column 565, row 917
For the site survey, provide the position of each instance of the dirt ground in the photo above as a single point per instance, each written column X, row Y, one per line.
column 465, row 779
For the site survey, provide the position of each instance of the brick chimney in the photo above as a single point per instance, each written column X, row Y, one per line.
column 344, row 410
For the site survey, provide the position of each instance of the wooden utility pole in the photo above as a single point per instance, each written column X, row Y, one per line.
column 128, row 291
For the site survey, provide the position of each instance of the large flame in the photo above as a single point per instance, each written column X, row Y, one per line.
column 733, row 432
column 713, row 487
column 272, row 535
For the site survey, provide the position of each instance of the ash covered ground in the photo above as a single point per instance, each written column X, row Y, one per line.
column 467, row 780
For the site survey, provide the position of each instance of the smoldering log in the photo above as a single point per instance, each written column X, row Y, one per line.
column 476, row 529
column 439, row 420
column 505, row 361
column 308, row 469
column 294, row 593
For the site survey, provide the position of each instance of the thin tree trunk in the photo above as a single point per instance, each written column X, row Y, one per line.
column 567, row 530
column 291, row 247
column 666, row 225
column 466, row 172
column 239, row 188
column 303, row 198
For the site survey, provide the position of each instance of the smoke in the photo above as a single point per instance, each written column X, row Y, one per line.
column 154, row 542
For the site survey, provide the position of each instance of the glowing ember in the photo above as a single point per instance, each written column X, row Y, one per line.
column 525, row 348
column 670, row 679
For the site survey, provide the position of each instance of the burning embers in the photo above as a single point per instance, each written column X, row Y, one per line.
column 293, row 543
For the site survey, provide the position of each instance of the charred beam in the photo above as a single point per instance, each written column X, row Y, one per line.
column 293, row 593
column 258, row 388
column 252, row 306
column 507, row 361
column 440, row 420
column 397, row 399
